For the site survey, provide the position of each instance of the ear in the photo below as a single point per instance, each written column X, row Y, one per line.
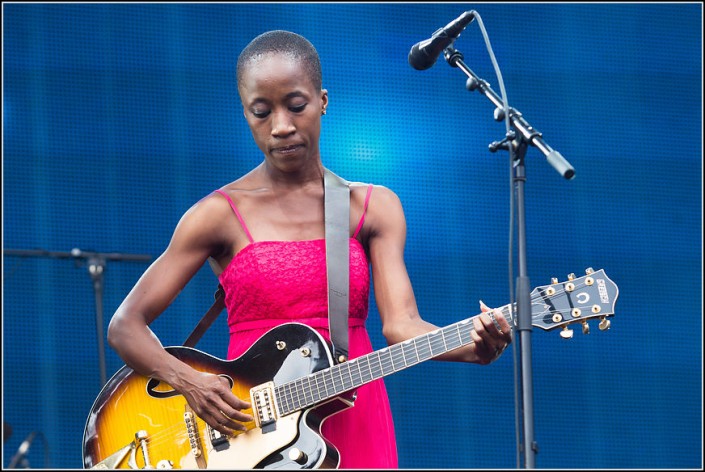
column 324, row 99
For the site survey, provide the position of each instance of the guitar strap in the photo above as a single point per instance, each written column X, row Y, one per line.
column 337, row 233
column 208, row 318
column 337, row 221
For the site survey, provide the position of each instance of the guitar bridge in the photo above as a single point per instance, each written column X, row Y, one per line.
column 264, row 406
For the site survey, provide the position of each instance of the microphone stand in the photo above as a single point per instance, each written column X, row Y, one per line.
column 517, row 144
column 95, row 263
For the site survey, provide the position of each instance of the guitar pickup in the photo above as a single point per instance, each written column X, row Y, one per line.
column 264, row 406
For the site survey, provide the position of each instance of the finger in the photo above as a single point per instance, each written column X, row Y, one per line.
column 490, row 327
column 230, row 398
column 221, row 423
column 484, row 307
column 234, row 420
column 499, row 325
column 505, row 328
column 477, row 335
column 237, row 415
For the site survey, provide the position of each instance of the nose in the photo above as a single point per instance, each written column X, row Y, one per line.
column 282, row 125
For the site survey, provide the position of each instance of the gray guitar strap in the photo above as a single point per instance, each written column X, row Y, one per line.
column 337, row 232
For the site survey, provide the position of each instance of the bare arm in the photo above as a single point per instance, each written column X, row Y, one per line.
column 395, row 296
column 196, row 237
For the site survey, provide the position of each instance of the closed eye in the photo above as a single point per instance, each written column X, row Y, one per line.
column 260, row 114
column 298, row 109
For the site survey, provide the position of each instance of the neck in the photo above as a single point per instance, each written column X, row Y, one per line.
column 285, row 178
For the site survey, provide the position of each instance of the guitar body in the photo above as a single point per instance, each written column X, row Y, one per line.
column 130, row 403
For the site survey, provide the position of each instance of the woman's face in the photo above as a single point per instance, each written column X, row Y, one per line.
column 283, row 110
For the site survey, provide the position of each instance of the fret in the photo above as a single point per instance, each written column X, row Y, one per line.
column 451, row 337
column 355, row 365
column 467, row 326
column 330, row 380
column 369, row 377
column 397, row 357
column 322, row 393
column 301, row 391
column 281, row 399
column 308, row 391
column 298, row 400
column 387, row 366
column 339, row 368
column 410, row 355
column 434, row 343
column 507, row 311
column 290, row 397
column 376, row 366
column 337, row 386
column 424, row 351
column 348, row 367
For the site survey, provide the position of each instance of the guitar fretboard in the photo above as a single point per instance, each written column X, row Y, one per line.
column 328, row 383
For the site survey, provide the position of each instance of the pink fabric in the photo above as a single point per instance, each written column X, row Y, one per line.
column 273, row 282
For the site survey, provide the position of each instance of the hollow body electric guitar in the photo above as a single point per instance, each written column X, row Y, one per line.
column 293, row 384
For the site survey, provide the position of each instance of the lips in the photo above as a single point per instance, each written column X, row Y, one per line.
column 287, row 149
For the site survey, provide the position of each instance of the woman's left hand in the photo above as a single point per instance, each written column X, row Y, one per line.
column 490, row 339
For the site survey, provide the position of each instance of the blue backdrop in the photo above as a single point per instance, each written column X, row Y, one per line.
column 118, row 117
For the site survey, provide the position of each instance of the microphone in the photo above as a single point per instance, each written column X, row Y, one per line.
column 22, row 450
column 425, row 53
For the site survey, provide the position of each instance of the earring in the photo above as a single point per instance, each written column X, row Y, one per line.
column 323, row 112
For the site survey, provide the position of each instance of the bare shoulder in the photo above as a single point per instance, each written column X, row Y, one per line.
column 381, row 195
column 216, row 206
column 208, row 211
column 385, row 214
column 210, row 223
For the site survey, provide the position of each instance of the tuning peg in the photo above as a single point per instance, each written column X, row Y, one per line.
column 586, row 327
column 571, row 276
column 566, row 333
column 589, row 271
column 604, row 324
column 554, row 280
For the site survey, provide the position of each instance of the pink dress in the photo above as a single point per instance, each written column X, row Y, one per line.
column 269, row 283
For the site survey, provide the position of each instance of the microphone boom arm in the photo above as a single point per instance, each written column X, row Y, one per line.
column 516, row 120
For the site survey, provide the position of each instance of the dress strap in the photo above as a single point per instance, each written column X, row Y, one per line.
column 364, row 210
column 237, row 213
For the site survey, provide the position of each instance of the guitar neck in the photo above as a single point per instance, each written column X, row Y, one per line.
column 328, row 383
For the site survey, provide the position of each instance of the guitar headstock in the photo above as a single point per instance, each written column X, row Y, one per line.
column 576, row 300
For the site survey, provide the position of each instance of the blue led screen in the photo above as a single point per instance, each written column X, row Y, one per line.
column 118, row 117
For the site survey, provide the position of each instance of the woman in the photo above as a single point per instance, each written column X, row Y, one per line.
column 265, row 233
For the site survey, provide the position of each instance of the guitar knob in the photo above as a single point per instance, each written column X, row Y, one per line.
column 297, row 455
column 586, row 327
column 604, row 324
column 566, row 333
column 589, row 271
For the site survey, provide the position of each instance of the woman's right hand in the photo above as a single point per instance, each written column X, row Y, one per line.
column 213, row 401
